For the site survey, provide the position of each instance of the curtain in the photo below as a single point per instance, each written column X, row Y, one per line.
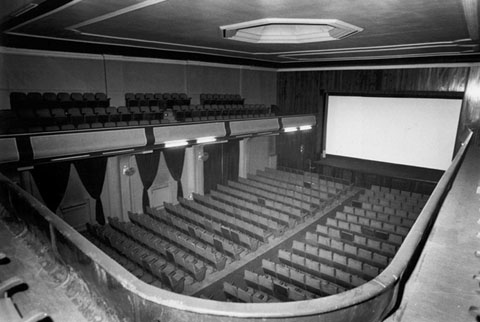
column 147, row 168
column 230, row 160
column 174, row 158
column 212, row 168
column 51, row 180
column 222, row 164
column 92, row 174
column 295, row 149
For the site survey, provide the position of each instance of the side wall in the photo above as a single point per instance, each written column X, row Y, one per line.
column 38, row 71
column 303, row 92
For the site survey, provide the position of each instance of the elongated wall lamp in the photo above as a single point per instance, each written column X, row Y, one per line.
column 206, row 139
column 290, row 129
column 172, row 144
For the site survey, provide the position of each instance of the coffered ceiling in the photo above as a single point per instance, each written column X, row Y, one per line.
column 388, row 31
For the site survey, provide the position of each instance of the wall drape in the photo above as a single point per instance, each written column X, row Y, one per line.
column 174, row 159
column 92, row 174
column 147, row 168
column 222, row 164
column 51, row 180
column 231, row 156
column 212, row 168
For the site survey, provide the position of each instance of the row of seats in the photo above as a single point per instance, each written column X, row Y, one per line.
column 419, row 199
column 144, row 263
column 323, row 189
column 180, row 240
column 162, row 100
column 408, row 206
column 281, row 207
column 387, row 209
column 385, row 190
column 245, row 215
column 221, row 244
column 373, row 223
column 336, row 259
column 292, row 188
column 394, row 219
column 226, row 220
column 322, row 270
column 255, row 207
column 383, row 247
column 169, row 250
column 302, row 196
column 246, row 294
column 300, row 278
column 350, row 248
column 314, row 181
column 307, row 176
column 9, row 310
column 220, row 112
column 379, row 234
column 20, row 100
column 206, row 98
column 304, row 205
column 275, row 287
column 32, row 119
column 212, row 226
column 346, row 251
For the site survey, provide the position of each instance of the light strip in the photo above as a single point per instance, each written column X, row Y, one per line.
column 290, row 129
column 118, row 151
column 172, row 144
column 305, row 127
column 72, row 158
column 206, row 139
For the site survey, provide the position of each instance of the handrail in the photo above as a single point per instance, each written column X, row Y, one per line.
column 382, row 286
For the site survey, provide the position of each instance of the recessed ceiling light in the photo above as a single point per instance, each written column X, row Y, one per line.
column 289, row 31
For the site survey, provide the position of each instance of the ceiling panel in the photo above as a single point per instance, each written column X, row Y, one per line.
column 391, row 28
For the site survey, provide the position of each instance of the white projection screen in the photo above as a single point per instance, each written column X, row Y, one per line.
column 410, row 131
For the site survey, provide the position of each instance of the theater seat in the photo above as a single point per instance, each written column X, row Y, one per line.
column 102, row 99
column 89, row 99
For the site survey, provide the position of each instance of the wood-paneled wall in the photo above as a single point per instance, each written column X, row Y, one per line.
column 470, row 115
column 303, row 92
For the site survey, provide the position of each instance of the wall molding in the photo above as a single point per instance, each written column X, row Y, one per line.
column 360, row 67
column 73, row 55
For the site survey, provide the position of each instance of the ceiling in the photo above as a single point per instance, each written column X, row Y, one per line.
column 393, row 31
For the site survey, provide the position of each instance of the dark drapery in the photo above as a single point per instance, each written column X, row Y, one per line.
column 295, row 149
column 92, row 174
column 212, row 167
column 222, row 164
column 231, row 157
column 147, row 168
column 174, row 158
column 51, row 180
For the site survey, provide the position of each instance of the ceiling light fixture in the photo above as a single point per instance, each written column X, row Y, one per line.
column 289, row 31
